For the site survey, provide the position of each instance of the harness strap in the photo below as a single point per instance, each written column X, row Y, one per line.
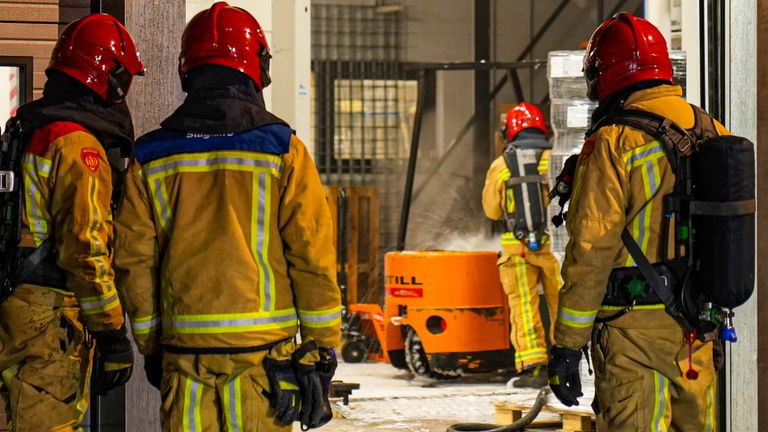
column 731, row 208
column 658, row 286
column 33, row 261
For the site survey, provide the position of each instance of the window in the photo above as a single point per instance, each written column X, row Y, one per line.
column 15, row 85
column 374, row 118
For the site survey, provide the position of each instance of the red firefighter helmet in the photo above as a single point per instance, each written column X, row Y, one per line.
column 227, row 36
column 99, row 52
column 624, row 50
column 523, row 116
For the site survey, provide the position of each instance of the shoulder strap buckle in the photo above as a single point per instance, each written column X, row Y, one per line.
column 7, row 181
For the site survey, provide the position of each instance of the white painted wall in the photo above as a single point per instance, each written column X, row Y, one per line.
column 742, row 115
column 659, row 12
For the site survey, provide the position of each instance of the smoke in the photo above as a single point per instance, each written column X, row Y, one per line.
column 469, row 242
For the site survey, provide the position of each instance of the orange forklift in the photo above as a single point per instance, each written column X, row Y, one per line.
column 445, row 313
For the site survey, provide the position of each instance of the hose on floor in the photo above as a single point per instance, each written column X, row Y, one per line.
column 519, row 425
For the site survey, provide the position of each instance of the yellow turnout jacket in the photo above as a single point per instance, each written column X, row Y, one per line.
column 225, row 242
column 621, row 179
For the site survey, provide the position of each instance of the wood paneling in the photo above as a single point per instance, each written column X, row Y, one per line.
column 29, row 32
column 32, row 2
column 11, row 12
column 25, row 48
column 30, row 28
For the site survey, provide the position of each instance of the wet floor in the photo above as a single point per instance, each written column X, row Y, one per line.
column 390, row 400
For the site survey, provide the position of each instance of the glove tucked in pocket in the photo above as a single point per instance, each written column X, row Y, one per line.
column 284, row 394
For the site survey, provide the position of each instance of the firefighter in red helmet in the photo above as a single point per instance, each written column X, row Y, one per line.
column 219, row 340
column 526, row 258
column 640, row 353
column 61, row 323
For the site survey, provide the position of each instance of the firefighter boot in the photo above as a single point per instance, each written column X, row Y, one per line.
column 534, row 377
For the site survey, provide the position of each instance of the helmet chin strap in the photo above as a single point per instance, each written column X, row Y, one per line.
column 264, row 77
column 119, row 82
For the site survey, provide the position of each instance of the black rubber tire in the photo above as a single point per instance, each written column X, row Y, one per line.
column 354, row 351
column 416, row 357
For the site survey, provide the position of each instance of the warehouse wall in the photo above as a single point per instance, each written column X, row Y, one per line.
column 443, row 30
column 31, row 27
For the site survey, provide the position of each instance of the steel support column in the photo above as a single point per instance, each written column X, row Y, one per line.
column 481, row 153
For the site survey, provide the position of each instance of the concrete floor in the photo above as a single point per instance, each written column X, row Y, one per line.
column 390, row 400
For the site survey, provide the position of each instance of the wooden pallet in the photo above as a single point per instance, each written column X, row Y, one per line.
column 362, row 221
column 571, row 420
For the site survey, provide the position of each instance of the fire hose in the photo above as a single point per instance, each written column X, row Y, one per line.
column 527, row 419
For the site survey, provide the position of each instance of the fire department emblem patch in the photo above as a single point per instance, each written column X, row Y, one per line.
column 90, row 157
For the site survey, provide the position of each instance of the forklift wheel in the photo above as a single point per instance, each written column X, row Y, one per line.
column 354, row 351
column 416, row 357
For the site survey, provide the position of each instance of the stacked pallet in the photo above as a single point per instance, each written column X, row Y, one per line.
column 575, row 419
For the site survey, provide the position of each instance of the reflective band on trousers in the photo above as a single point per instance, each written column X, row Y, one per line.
column 193, row 393
column 233, row 405
column 322, row 318
column 525, row 304
column 660, row 403
column 527, row 356
column 711, row 422
column 575, row 318
column 230, row 323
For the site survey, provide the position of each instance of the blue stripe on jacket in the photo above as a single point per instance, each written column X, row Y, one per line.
column 273, row 139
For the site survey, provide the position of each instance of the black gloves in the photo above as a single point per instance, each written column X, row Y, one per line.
column 564, row 378
column 153, row 368
column 326, row 368
column 284, row 395
column 314, row 369
column 112, row 362
column 299, row 383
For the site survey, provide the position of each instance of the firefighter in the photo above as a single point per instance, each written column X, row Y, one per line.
column 224, row 247
column 67, row 303
column 623, row 174
column 525, row 261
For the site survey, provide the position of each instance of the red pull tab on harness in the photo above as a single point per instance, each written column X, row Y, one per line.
column 691, row 373
column 522, row 251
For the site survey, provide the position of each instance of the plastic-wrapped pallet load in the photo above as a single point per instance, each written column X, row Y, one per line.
column 570, row 113
column 679, row 59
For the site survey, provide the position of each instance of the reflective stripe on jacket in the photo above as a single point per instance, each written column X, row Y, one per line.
column 621, row 179
column 225, row 241
column 67, row 192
